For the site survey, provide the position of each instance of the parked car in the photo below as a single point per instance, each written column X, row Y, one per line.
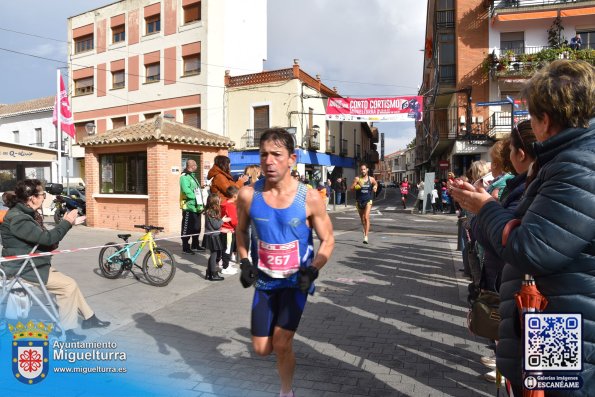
column 391, row 184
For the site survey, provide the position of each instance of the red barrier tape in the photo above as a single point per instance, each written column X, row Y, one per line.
column 69, row 251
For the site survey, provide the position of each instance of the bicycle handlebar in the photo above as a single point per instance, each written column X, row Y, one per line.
column 149, row 227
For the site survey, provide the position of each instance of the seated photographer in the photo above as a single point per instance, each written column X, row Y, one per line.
column 21, row 231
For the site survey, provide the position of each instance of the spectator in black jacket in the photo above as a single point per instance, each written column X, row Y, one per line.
column 551, row 235
column 340, row 187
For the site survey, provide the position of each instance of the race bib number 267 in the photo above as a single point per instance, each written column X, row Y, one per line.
column 279, row 260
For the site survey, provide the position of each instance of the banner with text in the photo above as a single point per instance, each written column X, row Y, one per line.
column 403, row 108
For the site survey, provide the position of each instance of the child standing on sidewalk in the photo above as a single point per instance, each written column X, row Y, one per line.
column 211, row 239
column 228, row 229
column 435, row 199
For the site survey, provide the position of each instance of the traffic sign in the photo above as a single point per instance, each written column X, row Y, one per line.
column 520, row 112
column 495, row 103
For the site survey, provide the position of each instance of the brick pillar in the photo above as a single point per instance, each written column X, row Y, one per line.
column 92, row 173
column 157, row 184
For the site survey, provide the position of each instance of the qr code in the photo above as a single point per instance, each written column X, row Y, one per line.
column 553, row 342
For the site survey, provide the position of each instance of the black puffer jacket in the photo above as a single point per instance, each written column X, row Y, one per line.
column 491, row 276
column 555, row 243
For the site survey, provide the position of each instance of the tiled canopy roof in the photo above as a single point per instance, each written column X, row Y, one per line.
column 158, row 130
column 31, row 106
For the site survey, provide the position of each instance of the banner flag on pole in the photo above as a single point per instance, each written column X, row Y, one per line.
column 66, row 120
column 403, row 108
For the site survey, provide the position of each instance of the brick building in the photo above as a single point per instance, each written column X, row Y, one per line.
column 484, row 51
column 133, row 172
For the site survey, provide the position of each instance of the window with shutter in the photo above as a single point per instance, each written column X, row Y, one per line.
column 118, row 79
column 512, row 41
column 192, row 64
column 261, row 118
column 118, row 34
column 83, row 86
column 191, row 117
column 118, row 122
column 80, row 130
column 152, row 72
column 83, row 44
column 192, row 13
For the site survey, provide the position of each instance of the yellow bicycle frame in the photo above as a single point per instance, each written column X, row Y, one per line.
column 148, row 238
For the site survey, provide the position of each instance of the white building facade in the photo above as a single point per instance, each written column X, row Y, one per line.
column 28, row 144
column 292, row 99
column 136, row 59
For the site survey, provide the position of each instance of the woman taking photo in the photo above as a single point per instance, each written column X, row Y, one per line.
column 222, row 179
column 550, row 236
column 21, row 231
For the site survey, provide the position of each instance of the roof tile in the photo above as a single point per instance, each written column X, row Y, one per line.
column 160, row 130
column 32, row 105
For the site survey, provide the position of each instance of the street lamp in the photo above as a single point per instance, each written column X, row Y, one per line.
column 316, row 131
column 90, row 128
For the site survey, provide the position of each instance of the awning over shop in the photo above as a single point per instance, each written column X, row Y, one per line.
column 239, row 160
column 526, row 16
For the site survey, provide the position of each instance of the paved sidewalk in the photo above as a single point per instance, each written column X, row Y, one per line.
column 388, row 319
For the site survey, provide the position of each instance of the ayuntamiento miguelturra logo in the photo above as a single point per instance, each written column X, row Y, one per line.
column 30, row 351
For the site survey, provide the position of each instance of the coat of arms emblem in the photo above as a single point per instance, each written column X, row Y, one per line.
column 30, row 351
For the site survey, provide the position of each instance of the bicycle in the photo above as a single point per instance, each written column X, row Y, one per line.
column 158, row 264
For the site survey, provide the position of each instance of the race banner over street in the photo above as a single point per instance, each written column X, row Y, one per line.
column 402, row 108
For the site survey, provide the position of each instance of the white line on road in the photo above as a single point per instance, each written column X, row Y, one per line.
column 344, row 217
column 390, row 208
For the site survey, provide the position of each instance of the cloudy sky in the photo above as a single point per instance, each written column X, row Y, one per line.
column 365, row 48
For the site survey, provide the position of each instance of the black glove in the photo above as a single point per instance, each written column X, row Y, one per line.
column 307, row 277
column 249, row 273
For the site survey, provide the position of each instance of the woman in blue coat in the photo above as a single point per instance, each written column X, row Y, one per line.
column 555, row 238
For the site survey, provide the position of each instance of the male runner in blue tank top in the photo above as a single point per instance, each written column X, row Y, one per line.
column 283, row 212
column 365, row 186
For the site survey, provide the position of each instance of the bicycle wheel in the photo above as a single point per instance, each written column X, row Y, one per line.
column 160, row 272
column 111, row 264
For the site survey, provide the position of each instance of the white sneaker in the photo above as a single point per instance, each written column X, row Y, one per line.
column 489, row 362
column 233, row 258
column 229, row 270
column 491, row 377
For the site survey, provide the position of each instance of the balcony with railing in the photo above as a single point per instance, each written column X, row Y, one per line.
column 499, row 123
column 54, row 145
column 445, row 19
column 344, row 150
column 312, row 139
column 446, row 74
column 509, row 6
column 38, row 144
column 330, row 145
column 251, row 139
column 523, row 62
